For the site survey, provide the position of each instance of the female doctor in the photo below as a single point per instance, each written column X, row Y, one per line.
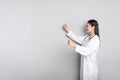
column 88, row 48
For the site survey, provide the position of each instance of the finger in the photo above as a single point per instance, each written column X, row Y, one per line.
column 68, row 42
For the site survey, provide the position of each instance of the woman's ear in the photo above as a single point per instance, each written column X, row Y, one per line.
column 93, row 27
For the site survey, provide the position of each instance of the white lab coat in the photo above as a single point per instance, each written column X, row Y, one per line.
column 89, row 51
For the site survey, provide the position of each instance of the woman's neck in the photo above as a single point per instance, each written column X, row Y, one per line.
column 92, row 34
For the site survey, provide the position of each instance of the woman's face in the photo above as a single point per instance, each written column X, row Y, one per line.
column 89, row 28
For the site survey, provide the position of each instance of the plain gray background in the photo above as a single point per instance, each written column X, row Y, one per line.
column 33, row 45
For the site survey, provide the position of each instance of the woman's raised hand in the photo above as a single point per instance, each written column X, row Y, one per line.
column 66, row 28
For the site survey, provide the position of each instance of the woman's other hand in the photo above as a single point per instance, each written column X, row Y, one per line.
column 71, row 43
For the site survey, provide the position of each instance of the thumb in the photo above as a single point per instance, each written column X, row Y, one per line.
column 68, row 42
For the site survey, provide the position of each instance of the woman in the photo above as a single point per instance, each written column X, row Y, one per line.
column 88, row 48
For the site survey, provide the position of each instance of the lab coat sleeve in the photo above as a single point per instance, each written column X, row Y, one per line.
column 89, row 49
column 75, row 37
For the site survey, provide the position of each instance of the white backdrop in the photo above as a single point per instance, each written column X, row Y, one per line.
column 33, row 45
